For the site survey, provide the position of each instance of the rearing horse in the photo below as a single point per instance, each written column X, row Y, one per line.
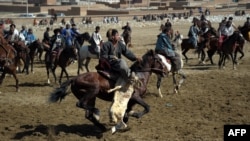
column 87, row 86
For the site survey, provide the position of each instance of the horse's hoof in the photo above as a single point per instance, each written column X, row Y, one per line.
column 113, row 130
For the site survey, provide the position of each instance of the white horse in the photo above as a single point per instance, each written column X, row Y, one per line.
column 177, row 44
column 85, row 55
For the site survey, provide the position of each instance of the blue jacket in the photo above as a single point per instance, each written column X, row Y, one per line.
column 163, row 44
column 30, row 38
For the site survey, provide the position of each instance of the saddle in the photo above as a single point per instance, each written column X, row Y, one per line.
column 105, row 70
column 92, row 50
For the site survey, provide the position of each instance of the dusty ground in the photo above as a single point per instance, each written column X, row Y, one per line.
column 209, row 99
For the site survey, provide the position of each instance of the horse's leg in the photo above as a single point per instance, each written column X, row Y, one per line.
column 92, row 113
column 158, row 85
column 29, row 61
column 184, row 54
column 66, row 73
column 183, row 77
column 87, row 63
column 220, row 60
column 224, row 60
column 140, row 101
column 241, row 52
column 53, row 70
column 2, row 77
column 47, row 69
column 15, row 77
column 233, row 57
column 39, row 55
column 210, row 54
column 203, row 56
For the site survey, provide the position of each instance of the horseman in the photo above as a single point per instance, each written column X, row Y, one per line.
column 225, row 32
column 246, row 26
column 75, row 32
column 58, row 43
column 204, row 35
column 30, row 37
column 13, row 38
column 68, row 35
column 46, row 39
column 164, row 47
column 96, row 41
column 126, row 28
column 112, row 52
column 168, row 24
column 193, row 34
column 24, row 31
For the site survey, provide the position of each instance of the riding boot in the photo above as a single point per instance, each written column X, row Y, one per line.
column 98, row 55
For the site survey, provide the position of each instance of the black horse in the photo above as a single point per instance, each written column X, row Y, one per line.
column 229, row 48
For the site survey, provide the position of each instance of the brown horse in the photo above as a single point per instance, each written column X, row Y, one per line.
column 8, row 63
column 186, row 45
column 65, row 58
column 87, row 86
column 214, row 47
column 229, row 47
column 34, row 48
column 127, row 38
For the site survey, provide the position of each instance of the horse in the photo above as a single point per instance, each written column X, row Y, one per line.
column 33, row 50
column 127, row 38
column 64, row 59
column 229, row 47
column 174, row 72
column 8, row 63
column 88, row 86
column 214, row 47
column 245, row 31
column 186, row 45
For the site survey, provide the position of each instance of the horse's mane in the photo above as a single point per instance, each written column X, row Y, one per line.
column 140, row 65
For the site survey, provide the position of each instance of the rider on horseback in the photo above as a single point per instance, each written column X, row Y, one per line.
column 112, row 51
column 30, row 37
column 204, row 35
column 164, row 47
column 57, row 45
column 96, row 41
column 225, row 32
column 193, row 34
column 246, row 25
column 126, row 28
column 46, row 39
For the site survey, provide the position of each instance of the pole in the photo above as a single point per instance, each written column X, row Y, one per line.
column 27, row 7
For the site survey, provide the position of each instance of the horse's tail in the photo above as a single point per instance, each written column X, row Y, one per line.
column 60, row 92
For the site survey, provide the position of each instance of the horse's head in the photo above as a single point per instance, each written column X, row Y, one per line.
column 83, row 37
column 72, row 52
column 151, row 63
column 213, row 31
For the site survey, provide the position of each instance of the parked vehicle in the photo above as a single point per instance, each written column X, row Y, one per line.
column 27, row 15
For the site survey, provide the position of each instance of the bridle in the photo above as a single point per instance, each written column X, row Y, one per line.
column 153, row 68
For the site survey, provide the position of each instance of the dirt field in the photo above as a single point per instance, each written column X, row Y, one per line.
column 208, row 99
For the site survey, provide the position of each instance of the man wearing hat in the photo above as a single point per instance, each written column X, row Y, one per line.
column 247, row 23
